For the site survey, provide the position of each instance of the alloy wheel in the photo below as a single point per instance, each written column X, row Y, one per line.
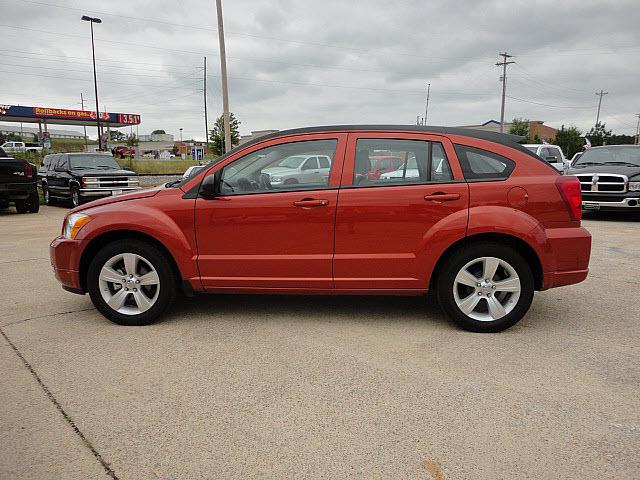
column 486, row 289
column 129, row 284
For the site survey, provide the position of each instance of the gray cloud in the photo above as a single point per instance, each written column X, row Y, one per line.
column 303, row 63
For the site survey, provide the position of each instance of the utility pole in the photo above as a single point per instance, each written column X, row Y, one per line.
column 638, row 130
column 84, row 127
column 601, row 93
column 223, row 75
column 206, row 123
column 426, row 108
column 503, row 64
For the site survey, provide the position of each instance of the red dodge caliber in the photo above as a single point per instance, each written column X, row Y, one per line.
column 471, row 215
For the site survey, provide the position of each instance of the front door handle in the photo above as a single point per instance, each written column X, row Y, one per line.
column 439, row 197
column 311, row 202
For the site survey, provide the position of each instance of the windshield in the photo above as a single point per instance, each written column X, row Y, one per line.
column 532, row 149
column 292, row 162
column 625, row 156
column 105, row 162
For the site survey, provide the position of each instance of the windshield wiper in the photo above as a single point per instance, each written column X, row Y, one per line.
column 584, row 164
column 173, row 184
column 108, row 167
column 626, row 164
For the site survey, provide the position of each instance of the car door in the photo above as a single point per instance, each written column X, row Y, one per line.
column 62, row 175
column 391, row 230
column 255, row 235
column 52, row 175
column 310, row 171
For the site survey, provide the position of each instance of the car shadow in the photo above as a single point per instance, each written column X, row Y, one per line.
column 309, row 307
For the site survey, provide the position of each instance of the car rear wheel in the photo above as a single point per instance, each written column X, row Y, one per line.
column 486, row 287
column 34, row 203
column 131, row 282
column 22, row 206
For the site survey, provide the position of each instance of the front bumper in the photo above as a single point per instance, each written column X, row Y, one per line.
column 65, row 261
column 106, row 192
column 594, row 201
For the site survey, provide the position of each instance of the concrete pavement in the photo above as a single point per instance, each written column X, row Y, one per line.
column 313, row 387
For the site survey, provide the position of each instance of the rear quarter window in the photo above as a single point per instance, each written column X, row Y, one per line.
column 478, row 164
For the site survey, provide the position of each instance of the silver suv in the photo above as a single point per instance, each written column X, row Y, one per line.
column 299, row 169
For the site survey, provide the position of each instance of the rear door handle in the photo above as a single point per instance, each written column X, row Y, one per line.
column 311, row 202
column 439, row 197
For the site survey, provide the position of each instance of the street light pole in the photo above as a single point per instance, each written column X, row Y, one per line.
column 91, row 21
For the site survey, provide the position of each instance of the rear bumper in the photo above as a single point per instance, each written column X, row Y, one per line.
column 65, row 261
column 569, row 250
column 17, row 191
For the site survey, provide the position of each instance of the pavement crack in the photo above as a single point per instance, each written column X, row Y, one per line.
column 107, row 468
column 15, row 322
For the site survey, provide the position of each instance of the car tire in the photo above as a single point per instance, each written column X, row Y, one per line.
column 46, row 194
column 116, row 282
column 478, row 300
column 76, row 198
column 34, row 202
column 22, row 206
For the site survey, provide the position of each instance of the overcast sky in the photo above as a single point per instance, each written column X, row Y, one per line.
column 301, row 63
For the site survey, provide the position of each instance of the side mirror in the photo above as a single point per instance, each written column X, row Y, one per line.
column 209, row 186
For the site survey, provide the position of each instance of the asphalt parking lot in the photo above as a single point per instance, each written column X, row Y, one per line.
column 312, row 387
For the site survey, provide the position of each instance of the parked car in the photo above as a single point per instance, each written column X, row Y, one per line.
column 298, row 169
column 18, row 184
column 493, row 226
column 14, row 147
column 609, row 177
column 78, row 177
column 549, row 153
column 192, row 170
column 121, row 151
column 382, row 164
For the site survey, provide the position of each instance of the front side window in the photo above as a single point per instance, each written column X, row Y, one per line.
column 380, row 162
column 478, row 164
column 284, row 167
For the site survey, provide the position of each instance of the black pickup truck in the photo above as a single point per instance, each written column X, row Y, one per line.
column 18, row 184
column 80, row 177
column 609, row 177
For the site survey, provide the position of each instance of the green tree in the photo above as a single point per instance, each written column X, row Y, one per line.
column 132, row 140
column 520, row 126
column 117, row 136
column 158, row 132
column 569, row 140
column 599, row 135
column 217, row 134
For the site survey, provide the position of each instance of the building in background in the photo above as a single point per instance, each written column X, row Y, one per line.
column 536, row 128
column 156, row 137
column 255, row 134
column 53, row 133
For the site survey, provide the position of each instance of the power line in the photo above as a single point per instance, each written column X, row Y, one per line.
column 548, row 105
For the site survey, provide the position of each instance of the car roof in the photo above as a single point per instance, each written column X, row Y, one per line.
column 612, row 146
column 495, row 137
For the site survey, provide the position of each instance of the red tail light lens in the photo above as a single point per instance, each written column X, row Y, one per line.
column 569, row 188
column 28, row 170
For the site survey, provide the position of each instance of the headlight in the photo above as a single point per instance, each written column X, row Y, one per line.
column 73, row 224
column 275, row 179
column 634, row 186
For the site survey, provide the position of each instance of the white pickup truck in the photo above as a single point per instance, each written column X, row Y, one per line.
column 551, row 154
column 13, row 147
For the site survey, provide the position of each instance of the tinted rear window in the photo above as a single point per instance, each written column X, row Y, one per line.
column 478, row 164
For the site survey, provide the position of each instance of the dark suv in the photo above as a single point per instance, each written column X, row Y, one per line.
column 78, row 177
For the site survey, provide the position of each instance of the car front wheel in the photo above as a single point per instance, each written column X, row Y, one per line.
column 486, row 287
column 131, row 282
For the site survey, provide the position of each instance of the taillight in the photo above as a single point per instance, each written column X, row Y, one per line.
column 28, row 170
column 569, row 188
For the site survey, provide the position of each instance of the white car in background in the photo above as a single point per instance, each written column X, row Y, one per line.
column 440, row 167
column 192, row 170
column 300, row 169
column 552, row 154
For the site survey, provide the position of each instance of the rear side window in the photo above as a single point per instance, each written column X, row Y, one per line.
column 478, row 164
column 381, row 162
